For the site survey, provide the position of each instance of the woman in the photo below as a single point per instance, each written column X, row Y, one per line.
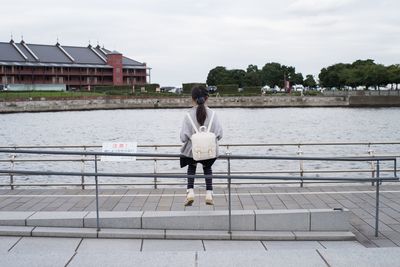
column 200, row 114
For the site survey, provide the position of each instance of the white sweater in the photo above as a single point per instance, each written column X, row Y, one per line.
column 187, row 130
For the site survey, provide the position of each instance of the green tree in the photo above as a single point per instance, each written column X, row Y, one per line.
column 252, row 68
column 374, row 75
column 272, row 74
column 218, row 75
column 394, row 75
column 352, row 77
column 297, row 78
column 237, row 76
column 360, row 72
column 253, row 76
column 310, row 81
column 381, row 75
column 334, row 76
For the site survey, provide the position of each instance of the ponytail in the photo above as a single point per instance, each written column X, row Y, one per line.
column 200, row 95
column 201, row 114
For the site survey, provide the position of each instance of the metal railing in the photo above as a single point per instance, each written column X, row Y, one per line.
column 229, row 177
column 368, row 149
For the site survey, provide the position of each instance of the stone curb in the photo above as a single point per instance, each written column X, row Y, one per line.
column 246, row 220
column 173, row 234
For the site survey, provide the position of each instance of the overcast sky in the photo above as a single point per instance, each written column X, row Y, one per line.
column 181, row 40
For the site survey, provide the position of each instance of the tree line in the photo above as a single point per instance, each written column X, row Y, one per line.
column 359, row 73
column 364, row 73
column 270, row 74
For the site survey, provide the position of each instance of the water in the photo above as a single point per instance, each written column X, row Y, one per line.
column 162, row 126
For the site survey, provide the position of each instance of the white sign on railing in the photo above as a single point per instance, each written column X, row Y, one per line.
column 119, row 147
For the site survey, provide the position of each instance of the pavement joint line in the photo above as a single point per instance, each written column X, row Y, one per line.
column 321, row 244
column 141, row 245
column 215, row 194
column 72, row 257
column 26, row 219
column 255, row 220
column 14, row 244
column 77, row 247
column 322, row 257
column 33, row 230
column 265, row 247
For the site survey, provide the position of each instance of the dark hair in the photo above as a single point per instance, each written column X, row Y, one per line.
column 200, row 95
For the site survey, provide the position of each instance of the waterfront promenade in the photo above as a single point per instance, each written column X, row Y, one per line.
column 367, row 250
column 358, row 198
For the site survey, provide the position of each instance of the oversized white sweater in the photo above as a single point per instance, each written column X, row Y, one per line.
column 187, row 130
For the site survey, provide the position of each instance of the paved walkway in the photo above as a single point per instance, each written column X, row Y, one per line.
column 42, row 251
column 360, row 199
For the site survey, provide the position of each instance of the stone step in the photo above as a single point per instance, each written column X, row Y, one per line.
column 248, row 220
column 176, row 234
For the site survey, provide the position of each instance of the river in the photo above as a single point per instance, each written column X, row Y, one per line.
column 162, row 126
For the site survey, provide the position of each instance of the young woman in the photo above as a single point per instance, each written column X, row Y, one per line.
column 201, row 116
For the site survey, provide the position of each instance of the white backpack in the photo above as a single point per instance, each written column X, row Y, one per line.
column 204, row 144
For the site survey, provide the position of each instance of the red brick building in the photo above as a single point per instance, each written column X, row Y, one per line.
column 76, row 67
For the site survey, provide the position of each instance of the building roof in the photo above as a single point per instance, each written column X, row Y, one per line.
column 58, row 55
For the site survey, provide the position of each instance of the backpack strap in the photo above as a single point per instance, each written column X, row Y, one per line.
column 191, row 121
column 211, row 121
column 194, row 125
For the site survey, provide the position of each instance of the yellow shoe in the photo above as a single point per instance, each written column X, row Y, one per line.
column 209, row 197
column 189, row 197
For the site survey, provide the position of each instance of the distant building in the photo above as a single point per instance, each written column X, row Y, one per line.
column 74, row 66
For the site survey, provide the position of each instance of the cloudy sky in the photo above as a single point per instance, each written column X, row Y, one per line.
column 181, row 40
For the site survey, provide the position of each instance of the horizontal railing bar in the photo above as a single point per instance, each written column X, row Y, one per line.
column 368, row 158
column 286, row 171
column 168, row 176
column 315, row 143
column 223, row 144
column 87, row 159
column 77, row 160
column 182, row 184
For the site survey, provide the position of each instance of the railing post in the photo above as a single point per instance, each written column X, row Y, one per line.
column 229, row 193
column 377, row 200
column 299, row 153
column 83, row 169
column 371, row 153
column 12, row 168
column 227, row 152
column 155, row 169
column 97, row 194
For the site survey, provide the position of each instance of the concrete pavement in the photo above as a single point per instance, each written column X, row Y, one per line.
column 39, row 251
column 358, row 198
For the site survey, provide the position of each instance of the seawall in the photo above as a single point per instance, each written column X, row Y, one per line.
column 180, row 102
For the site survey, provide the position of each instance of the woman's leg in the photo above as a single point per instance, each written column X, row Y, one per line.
column 190, row 192
column 191, row 171
column 208, row 171
column 209, row 187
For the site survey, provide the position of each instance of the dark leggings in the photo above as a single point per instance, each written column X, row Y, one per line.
column 192, row 171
